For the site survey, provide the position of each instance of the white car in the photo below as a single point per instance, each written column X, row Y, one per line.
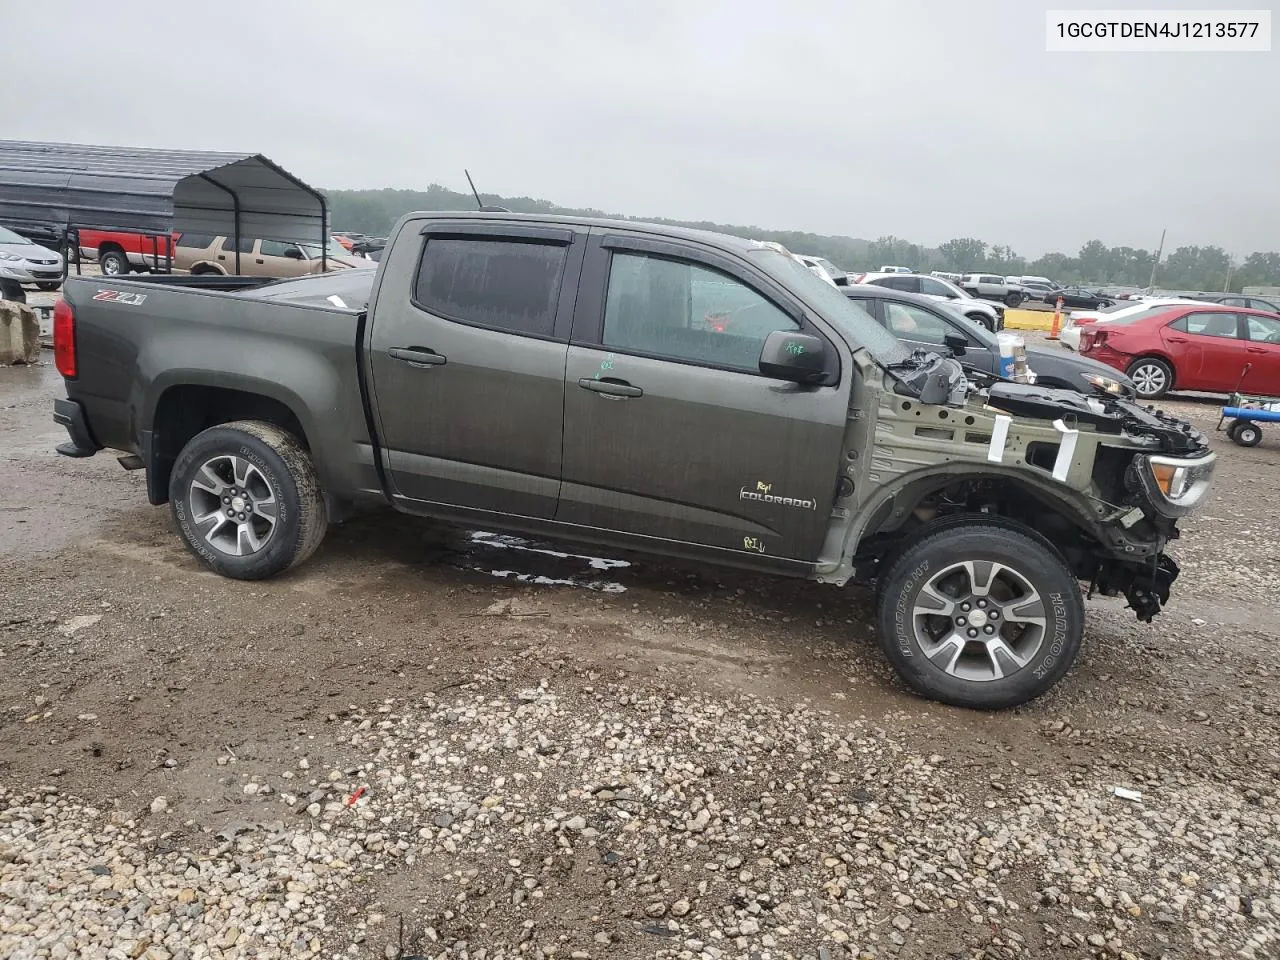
column 935, row 288
column 833, row 273
column 24, row 262
column 1069, row 335
column 992, row 287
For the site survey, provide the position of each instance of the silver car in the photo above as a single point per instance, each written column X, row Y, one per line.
column 24, row 262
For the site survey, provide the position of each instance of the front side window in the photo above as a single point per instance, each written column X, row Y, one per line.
column 1263, row 329
column 510, row 285
column 684, row 311
column 277, row 248
column 936, row 288
column 909, row 322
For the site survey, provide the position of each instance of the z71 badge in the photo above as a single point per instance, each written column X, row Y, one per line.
column 119, row 296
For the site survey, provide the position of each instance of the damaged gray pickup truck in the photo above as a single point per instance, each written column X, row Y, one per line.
column 645, row 388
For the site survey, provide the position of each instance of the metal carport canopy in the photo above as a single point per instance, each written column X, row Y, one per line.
column 144, row 190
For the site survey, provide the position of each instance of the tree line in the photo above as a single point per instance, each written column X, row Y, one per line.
column 374, row 212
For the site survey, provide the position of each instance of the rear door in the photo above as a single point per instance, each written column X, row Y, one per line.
column 467, row 355
column 224, row 255
column 671, row 432
column 1208, row 350
column 1263, row 348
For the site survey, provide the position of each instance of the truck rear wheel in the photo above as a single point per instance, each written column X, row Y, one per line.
column 246, row 499
column 114, row 263
column 980, row 615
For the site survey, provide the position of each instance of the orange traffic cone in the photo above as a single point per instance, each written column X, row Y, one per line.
column 1057, row 321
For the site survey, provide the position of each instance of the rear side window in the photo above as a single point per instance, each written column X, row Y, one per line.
column 197, row 241
column 895, row 282
column 246, row 244
column 510, row 285
column 1208, row 324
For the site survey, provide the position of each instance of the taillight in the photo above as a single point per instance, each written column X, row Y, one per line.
column 64, row 338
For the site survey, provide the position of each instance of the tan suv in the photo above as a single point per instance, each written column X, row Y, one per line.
column 201, row 253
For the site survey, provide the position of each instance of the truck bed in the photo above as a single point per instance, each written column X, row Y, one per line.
column 158, row 351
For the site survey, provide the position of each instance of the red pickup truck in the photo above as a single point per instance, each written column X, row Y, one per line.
column 118, row 252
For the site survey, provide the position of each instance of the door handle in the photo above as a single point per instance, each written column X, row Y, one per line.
column 257, row 261
column 1257, row 350
column 416, row 356
column 1177, row 339
column 612, row 389
column 222, row 256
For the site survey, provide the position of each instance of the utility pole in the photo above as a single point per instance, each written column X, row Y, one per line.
column 1230, row 268
column 1151, row 287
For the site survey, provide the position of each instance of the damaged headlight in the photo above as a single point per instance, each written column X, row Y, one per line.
column 1174, row 485
column 1107, row 384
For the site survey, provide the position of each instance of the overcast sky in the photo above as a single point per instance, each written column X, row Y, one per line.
column 927, row 120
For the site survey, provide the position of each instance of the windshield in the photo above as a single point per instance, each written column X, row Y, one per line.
column 970, row 328
column 960, row 294
column 832, row 270
column 8, row 236
column 858, row 326
column 332, row 248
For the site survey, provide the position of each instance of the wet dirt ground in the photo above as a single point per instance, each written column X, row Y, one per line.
column 129, row 672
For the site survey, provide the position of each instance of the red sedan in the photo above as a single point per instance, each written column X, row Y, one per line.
column 1184, row 347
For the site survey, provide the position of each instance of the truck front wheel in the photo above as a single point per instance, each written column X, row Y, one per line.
column 980, row 615
column 246, row 499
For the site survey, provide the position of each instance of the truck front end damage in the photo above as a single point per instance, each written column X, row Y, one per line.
column 1103, row 479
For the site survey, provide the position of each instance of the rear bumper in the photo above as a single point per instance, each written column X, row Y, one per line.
column 70, row 414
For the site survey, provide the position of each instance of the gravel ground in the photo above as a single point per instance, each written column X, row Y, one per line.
column 445, row 744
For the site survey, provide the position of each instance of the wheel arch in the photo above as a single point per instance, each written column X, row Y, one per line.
column 1041, row 504
column 182, row 410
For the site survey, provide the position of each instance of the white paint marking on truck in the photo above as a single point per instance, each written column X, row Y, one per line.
column 999, row 437
column 1066, row 450
column 337, row 301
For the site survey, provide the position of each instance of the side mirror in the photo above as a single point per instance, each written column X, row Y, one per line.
column 293, row 253
column 797, row 357
column 956, row 343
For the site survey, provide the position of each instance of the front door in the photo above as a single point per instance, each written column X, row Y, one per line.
column 276, row 258
column 671, row 432
column 467, row 356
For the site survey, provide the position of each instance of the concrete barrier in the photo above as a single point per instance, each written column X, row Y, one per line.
column 1028, row 320
column 19, row 334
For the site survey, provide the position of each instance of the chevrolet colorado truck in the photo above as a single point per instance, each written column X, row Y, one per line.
column 644, row 388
